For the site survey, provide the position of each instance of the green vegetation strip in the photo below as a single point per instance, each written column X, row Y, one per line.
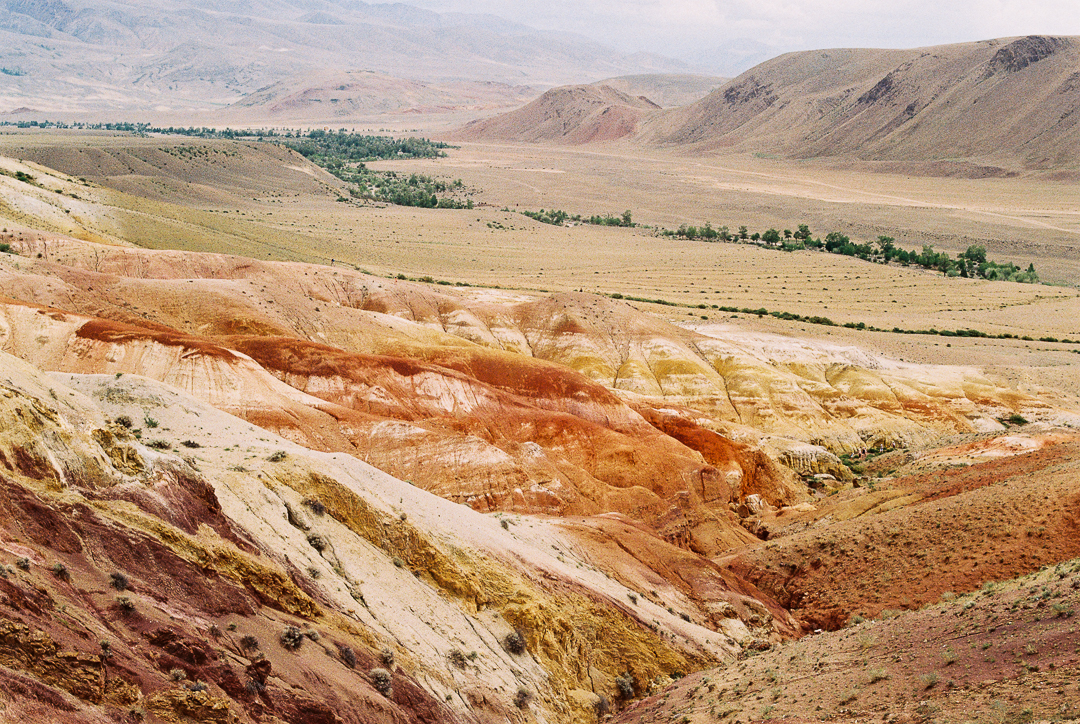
column 861, row 326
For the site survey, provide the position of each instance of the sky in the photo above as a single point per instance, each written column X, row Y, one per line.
column 715, row 31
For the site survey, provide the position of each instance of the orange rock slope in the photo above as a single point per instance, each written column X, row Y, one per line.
column 569, row 404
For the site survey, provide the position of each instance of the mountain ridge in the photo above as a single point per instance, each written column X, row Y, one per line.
column 1007, row 103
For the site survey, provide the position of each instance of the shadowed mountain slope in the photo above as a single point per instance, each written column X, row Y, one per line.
column 1010, row 101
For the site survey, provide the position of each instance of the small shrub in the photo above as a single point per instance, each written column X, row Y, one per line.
column 514, row 642
column 23, row 564
column 198, row 686
column 191, row 444
column 315, row 506
column 347, row 655
column 249, row 643
column 398, row 562
column 312, row 634
column 159, row 444
column 633, row 597
column 317, row 542
column 949, row 656
column 150, row 422
column 928, row 680
column 125, row 604
column 877, row 675
column 626, row 685
column 387, row 658
column 278, row 456
column 124, row 421
column 382, row 680
column 60, row 571
column 119, row 581
column 177, row 674
column 505, row 524
column 521, row 697
column 1062, row 610
column 456, row 658
column 291, row 638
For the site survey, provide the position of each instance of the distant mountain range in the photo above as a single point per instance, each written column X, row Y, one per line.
column 1007, row 103
column 71, row 57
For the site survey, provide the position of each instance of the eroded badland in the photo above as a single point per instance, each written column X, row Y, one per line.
column 274, row 453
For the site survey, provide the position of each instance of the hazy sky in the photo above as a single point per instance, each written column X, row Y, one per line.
column 695, row 28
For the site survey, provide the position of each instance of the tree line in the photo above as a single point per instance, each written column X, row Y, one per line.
column 970, row 263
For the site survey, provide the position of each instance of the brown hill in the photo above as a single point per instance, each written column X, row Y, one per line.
column 995, row 105
column 1005, row 653
column 1007, row 102
column 569, row 114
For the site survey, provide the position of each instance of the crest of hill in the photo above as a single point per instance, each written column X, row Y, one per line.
column 569, row 114
column 1010, row 102
column 668, row 90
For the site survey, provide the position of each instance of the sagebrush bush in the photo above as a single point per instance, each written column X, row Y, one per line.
column 382, row 680
column 348, row 656
column 514, row 642
column 291, row 638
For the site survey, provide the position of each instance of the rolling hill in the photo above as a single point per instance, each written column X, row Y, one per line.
column 995, row 105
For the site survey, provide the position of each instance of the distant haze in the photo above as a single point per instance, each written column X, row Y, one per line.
column 729, row 36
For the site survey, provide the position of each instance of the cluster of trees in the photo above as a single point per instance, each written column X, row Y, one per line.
column 402, row 190
column 558, row 217
column 324, row 147
column 625, row 220
column 553, row 217
column 970, row 263
column 343, row 154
